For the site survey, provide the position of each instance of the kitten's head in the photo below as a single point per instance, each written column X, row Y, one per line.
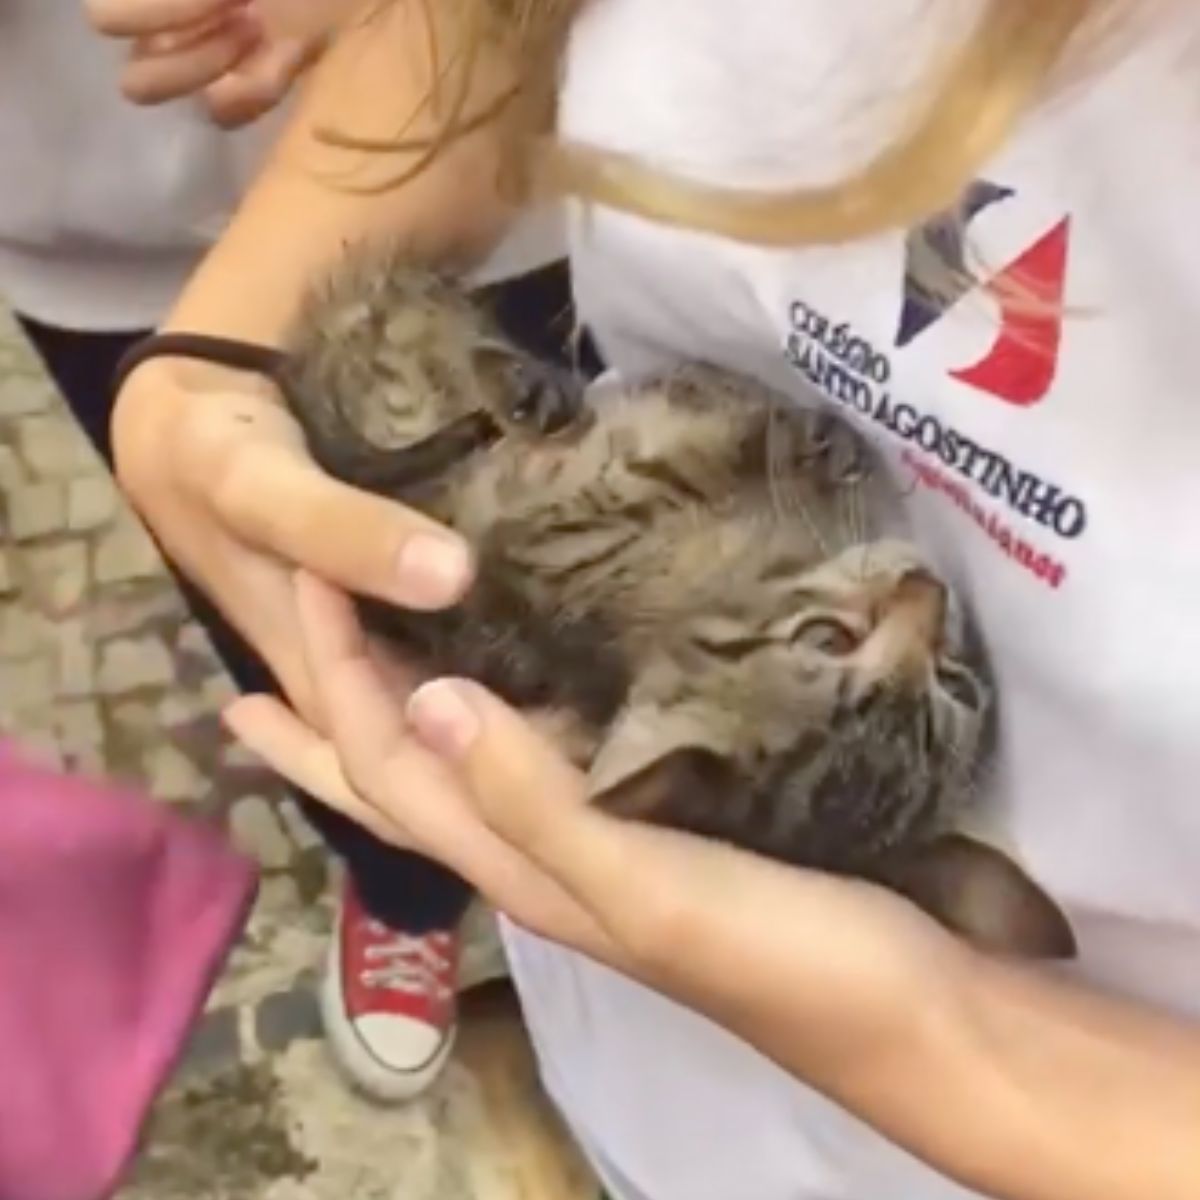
column 837, row 722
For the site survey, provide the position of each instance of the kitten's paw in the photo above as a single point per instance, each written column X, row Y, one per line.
column 545, row 401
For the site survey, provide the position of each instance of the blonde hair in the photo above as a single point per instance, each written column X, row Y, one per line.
column 963, row 115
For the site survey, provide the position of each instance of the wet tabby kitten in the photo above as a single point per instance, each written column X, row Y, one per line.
column 677, row 577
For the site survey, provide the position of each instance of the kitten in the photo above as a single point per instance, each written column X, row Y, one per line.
column 678, row 578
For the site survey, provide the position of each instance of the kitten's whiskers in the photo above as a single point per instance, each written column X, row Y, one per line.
column 787, row 500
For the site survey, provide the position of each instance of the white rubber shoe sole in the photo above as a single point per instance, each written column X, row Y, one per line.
column 389, row 1058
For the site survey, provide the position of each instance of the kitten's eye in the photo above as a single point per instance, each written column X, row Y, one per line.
column 960, row 685
column 828, row 636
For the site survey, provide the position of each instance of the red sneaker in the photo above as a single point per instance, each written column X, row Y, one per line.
column 388, row 1003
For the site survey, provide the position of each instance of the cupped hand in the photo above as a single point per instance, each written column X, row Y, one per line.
column 450, row 771
column 225, row 483
column 240, row 57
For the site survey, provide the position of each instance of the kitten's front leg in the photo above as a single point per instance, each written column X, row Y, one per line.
column 410, row 469
column 540, row 401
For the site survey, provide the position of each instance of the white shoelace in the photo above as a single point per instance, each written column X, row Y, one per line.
column 406, row 964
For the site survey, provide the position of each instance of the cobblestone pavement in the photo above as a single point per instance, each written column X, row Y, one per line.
column 102, row 671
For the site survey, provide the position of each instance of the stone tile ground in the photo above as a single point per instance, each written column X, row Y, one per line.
column 102, row 671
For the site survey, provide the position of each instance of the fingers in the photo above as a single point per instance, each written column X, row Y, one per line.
column 300, row 755
column 277, row 499
column 137, row 18
column 419, row 810
column 411, row 787
column 365, row 718
column 219, row 47
column 166, row 66
column 258, row 83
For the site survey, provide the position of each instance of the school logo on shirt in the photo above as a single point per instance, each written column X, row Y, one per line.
column 1020, row 367
column 1018, row 370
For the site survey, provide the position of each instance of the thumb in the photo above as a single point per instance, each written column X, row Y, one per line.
column 522, row 788
column 648, row 890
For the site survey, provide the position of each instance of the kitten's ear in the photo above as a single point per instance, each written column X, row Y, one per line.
column 657, row 765
column 682, row 790
column 977, row 891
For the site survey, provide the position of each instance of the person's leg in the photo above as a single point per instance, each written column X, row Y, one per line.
column 394, row 954
column 388, row 994
column 82, row 365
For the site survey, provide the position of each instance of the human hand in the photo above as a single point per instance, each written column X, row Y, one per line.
column 224, row 481
column 240, row 57
column 451, row 772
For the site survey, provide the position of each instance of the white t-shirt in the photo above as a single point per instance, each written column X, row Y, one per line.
column 106, row 207
column 1054, row 466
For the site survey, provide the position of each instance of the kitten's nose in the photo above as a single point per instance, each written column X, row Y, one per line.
column 908, row 628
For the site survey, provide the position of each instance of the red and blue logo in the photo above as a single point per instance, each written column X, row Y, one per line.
column 1019, row 368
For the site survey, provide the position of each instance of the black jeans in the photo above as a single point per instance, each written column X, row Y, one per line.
column 401, row 889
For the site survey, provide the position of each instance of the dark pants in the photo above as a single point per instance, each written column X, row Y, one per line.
column 403, row 890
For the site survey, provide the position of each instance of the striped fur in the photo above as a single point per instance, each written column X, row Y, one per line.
column 684, row 581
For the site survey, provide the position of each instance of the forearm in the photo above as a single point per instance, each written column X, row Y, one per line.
column 206, row 455
column 309, row 200
column 1027, row 1087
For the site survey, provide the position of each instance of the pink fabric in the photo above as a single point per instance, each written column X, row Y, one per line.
column 115, row 917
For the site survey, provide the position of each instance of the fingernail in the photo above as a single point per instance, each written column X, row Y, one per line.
column 441, row 715
column 434, row 570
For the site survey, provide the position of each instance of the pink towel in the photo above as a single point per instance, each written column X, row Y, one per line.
column 115, row 918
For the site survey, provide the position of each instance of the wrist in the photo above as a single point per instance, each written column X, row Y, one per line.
column 140, row 413
column 153, row 400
